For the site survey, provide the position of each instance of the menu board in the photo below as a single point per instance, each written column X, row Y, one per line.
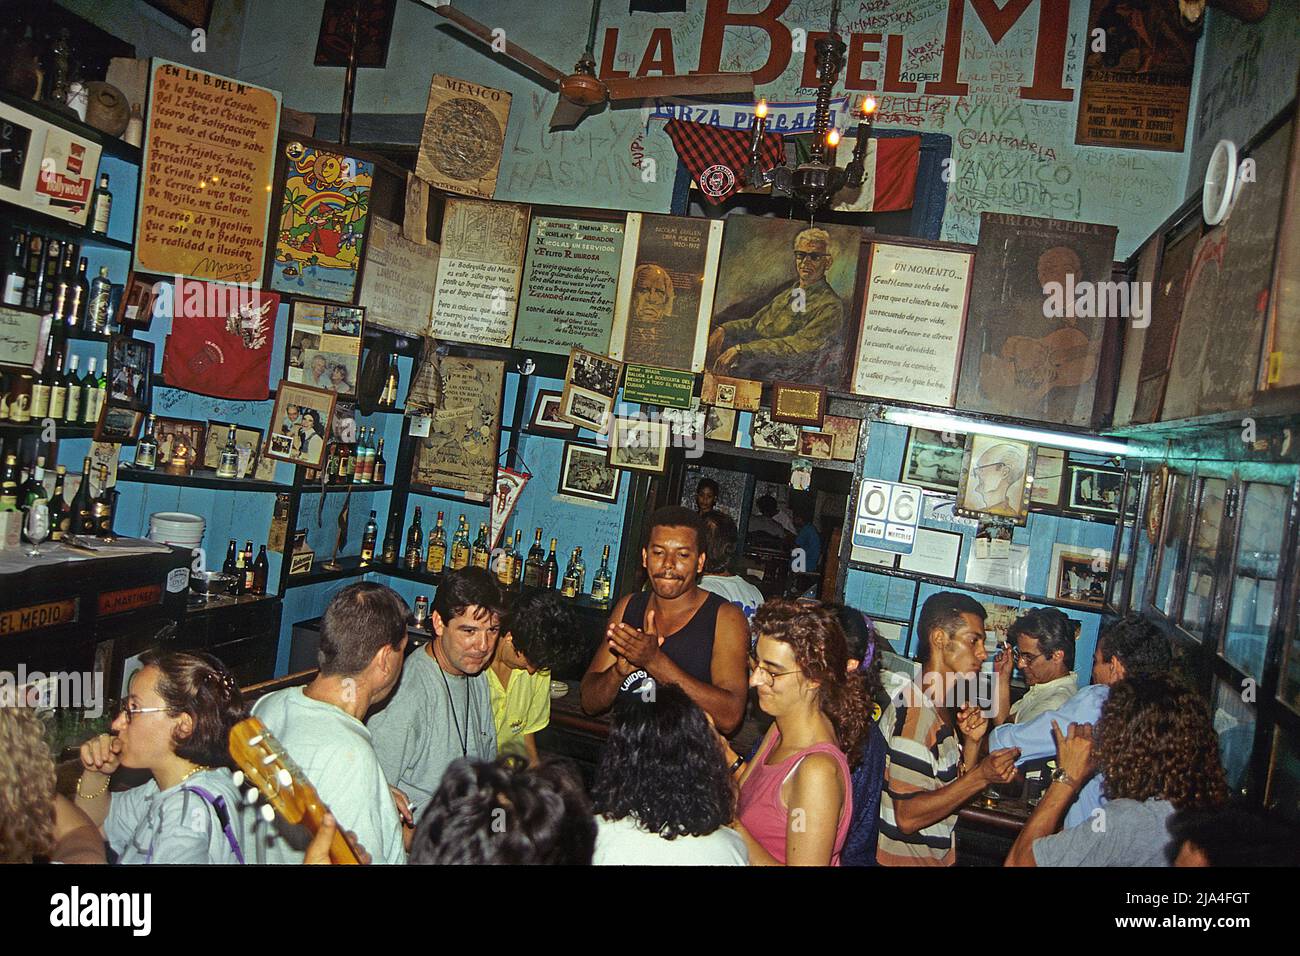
column 205, row 190
column 397, row 287
column 480, row 271
column 570, row 279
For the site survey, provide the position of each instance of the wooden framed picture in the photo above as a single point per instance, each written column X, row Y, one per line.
column 23, row 337
column 248, row 441
column 1077, row 576
column 799, row 404
column 845, row 431
column 590, row 384
column 139, row 299
column 995, row 478
column 298, row 422
column 546, row 414
column 325, row 345
column 1049, row 478
column 460, row 450
column 130, row 373
column 179, row 435
column 639, row 444
column 720, row 424
column 118, row 425
column 819, row 446
column 769, row 435
column 740, row 394
column 933, row 459
column 1094, row 489
column 195, row 14
column 585, row 472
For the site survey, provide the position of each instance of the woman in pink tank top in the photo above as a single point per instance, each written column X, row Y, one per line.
column 796, row 800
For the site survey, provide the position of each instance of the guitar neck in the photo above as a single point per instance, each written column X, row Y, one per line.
column 342, row 852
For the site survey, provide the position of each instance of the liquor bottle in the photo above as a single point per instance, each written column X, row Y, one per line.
column 250, row 569
column 89, row 395
column 58, row 388
column 389, row 397
column 533, row 564
column 32, row 491
column 437, row 548
column 146, row 449
column 34, row 282
column 391, row 537
column 15, row 275
column 228, row 466
column 600, row 584
column 64, row 282
column 261, row 570
column 239, row 573
column 101, row 205
column 506, row 566
column 415, row 544
column 10, row 471
column 518, row 572
column 40, row 407
column 380, row 465
column 60, row 514
column 370, row 456
column 231, row 567
column 359, row 470
column 8, row 496
column 74, row 315
column 551, row 569
column 574, row 575
column 368, row 538
column 102, row 507
column 101, row 292
column 482, row 554
column 83, row 505
column 50, row 279
column 72, row 400
column 460, row 546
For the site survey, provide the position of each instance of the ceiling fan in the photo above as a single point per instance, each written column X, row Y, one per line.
column 582, row 91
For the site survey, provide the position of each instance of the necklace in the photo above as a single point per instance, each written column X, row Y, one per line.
column 463, row 736
column 192, row 773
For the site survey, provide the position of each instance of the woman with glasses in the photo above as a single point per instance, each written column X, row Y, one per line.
column 796, row 799
column 176, row 725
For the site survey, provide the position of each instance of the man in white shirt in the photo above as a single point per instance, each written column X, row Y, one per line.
column 1042, row 644
column 720, row 548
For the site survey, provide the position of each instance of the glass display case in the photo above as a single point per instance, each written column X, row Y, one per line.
column 1171, row 543
column 1234, row 722
column 1126, row 528
column 1284, row 775
column 1198, row 589
column 1255, row 588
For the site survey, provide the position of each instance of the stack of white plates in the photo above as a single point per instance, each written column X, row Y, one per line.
column 176, row 528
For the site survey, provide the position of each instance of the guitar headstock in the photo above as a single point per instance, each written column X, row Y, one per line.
column 266, row 766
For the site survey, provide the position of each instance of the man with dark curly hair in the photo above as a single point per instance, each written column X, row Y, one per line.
column 1157, row 751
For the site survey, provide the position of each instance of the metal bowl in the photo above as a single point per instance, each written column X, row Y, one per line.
column 210, row 583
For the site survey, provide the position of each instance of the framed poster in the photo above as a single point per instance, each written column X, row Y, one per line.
column 463, row 136
column 934, row 553
column 786, row 292
column 374, row 27
column 45, row 168
column 585, row 472
column 913, row 314
column 325, row 345
column 323, row 215
column 1281, row 365
column 665, row 287
column 1075, row 575
column 546, row 414
column 590, row 385
column 798, row 404
column 1166, row 309
column 933, row 459
column 122, row 425
column 769, row 435
column 298, row 423
column 570, row 285
column 1027, row 354
column 479, row 271
column 638, row 444
column 248, row 441
column 1095, row 490
column 139, row 300
column 398, row 281
column 1135, row 333
column 995, row 478
column 130, row 373
column 1049, row 478
column 460, row 451
column 191, row 138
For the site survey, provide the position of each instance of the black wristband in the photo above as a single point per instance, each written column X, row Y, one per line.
column 739, row 762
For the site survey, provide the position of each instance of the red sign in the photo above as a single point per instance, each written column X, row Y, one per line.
column 128, row 599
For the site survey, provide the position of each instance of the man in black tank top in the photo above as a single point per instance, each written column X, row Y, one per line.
column 674, row 633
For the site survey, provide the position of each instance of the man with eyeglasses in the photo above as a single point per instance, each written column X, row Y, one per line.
column 1042, row 645
column 795, row 336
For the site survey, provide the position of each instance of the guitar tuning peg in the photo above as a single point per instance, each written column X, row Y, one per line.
column 285, row 778
column 250, row 796
column 237, row 778
column 268, row 813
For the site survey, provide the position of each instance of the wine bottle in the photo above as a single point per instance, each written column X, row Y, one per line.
column 415, row 544
column 72, row 401
column 15, row 276
column 101, row 206
column 101, row 292
column 533, row 564
column 250, row 569
column 40, row 407
column 551, row 569
column 74, row 317
column 146, row 449
column 64, row 282
column 389, row 398
column 31, row 491
column 261, row 570
column 359, row 470
column 228, row 466
column 437, row 559
column 368, row 538
column 380, row 465
column 231, row 567
column 60, row 514
column 34, row 280
column 90, row 395
column 391, row 537
column 102, row 507
column 482, row 554
column 10, row 470
column 58, row 388
column 570, row 586
column 83, row 505
column 600, row 584
column 460, row 546
column 50, row 276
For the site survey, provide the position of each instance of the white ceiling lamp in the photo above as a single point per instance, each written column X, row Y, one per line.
column 940, row 422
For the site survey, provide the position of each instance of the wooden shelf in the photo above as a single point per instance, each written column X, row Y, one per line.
column 56, row 228
column 362, row 488
column 113, row 146
column 977, row 588
column 200, row 478
column 350, row 567
column 61, row 430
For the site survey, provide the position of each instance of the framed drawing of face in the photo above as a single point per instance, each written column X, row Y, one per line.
column 995, row 478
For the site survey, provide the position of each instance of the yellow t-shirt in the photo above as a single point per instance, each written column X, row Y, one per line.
column 522, row 708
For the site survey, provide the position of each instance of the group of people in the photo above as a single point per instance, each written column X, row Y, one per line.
column 428, row 756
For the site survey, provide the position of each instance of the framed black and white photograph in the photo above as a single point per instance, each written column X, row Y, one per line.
column 248, row 441
column 1077, row 575
column 546, row 414
column 298, row 424
column 1095, row 490
column 585, row 472
column 719, row 424
column 130, row 373
column 589, row 411
column 933, row 459
column 934, row 553
column 118, row 425
column 639, row 444
column 769, row 435
column 590, row 385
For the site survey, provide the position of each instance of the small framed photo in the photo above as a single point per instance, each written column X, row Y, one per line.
column 639, row 444
column 585, row 472
column 185, row 434
column 130, row 372
column 738, row 394
column 298, row 423
column 719, row 424
column 798, row 404
column 1077, row 576
column 933, row 459
column 139, row 298
column 995, row 478
column 546, row 414
column 118, row 425
column 845, row 431
column 587, row 409
column 248, row 441
column 1049, row 474
column 768, row 435
column 590, row 385
column 820, row 446
column 343, row 423
column 325, row 345
column 1095, row 490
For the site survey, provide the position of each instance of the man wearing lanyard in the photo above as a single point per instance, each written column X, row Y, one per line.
column 442, row 709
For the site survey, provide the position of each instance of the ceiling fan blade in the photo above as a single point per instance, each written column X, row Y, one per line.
column 567, row 115
column 699, row 84
column 513, row 50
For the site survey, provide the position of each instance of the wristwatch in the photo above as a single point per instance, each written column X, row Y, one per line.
column 1060, row 776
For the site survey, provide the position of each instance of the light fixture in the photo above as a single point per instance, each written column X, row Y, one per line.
column 816, row 182
column 942, row 422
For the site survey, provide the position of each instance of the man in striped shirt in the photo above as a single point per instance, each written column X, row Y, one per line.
column 929, row 772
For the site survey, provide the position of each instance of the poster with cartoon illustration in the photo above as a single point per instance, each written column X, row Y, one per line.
column 321, row 230
column 460, row 451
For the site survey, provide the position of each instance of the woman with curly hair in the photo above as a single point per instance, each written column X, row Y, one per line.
column 175, row 724
column 1157, row 751
column 796, row 798
column 663, row 795
column 35, row 822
